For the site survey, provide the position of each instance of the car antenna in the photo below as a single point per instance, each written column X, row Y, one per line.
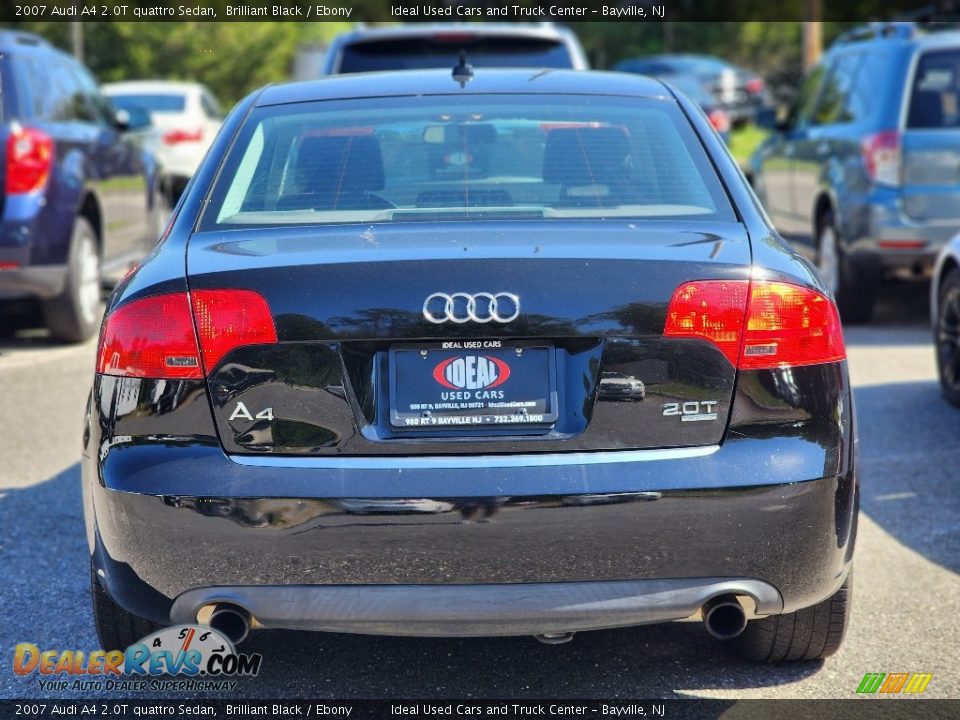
column 463, row 71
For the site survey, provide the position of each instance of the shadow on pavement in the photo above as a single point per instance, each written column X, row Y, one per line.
column 910, row 432
column 46, row 601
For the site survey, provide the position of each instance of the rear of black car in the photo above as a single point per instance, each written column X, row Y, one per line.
column 484, row 362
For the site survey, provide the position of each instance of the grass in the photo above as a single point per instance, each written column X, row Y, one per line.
column 744, row 141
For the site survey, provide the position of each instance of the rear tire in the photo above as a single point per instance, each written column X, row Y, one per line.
column 947, row 337
column 855, row 294
column 812, row 633
column 73, row 316
column 116, row 628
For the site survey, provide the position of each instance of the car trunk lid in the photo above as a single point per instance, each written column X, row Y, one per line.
column 586, row 345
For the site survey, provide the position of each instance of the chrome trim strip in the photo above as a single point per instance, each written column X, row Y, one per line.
column 461, row 462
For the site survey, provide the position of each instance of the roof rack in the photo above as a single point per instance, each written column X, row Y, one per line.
column 879, row 30
column 23, row 38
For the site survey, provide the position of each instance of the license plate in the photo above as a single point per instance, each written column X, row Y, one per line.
column 472, row 384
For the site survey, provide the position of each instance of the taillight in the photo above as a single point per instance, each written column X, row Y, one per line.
column 174, row 137
column 720, row 121
column 29, row 160
column 881, row 157
column 154, row 337
column 759, row 324
column 228, row 319
column 754, row 86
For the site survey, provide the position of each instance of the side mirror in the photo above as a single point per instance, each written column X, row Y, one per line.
column 766, row 118
column 132, row 119
column 774, row 119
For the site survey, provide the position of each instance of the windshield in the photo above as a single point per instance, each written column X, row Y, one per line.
column 155, row 102
column 466, row 156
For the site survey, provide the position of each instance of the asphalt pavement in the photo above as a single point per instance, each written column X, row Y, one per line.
column 906, row 595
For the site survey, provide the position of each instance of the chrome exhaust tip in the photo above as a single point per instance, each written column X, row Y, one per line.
column 230, row 621
column 723, row 617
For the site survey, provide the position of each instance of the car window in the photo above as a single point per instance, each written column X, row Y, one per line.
column 210, row 107
column 470, row 156
column 38, row 96
column 833, row 104
column 806, row 100
column 100, row 107
column 935, row 96
column 50, row 91
column 152, row 102
column 442, row 51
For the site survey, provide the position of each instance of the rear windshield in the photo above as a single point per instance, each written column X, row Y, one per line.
column 455, row 157
column 935, row 100
column 156, row 102
column 422, row 53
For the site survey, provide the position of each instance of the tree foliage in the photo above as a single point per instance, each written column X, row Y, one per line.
column 233, row 58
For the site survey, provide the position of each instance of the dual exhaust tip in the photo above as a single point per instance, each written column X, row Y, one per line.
column 723, row 617
column 231, row 621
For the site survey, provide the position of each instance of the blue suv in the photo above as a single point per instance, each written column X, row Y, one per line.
column 863, row 172
column 80, row 201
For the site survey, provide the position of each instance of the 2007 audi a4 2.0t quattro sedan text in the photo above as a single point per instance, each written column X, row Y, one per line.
column 360, row 385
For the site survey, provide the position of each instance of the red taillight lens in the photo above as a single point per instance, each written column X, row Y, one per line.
column 881, row 157
column 174, row 137
column 789, row 325
column 29, row 160
column 901, row 244
column 720, row 121
column 151, row 337
column 154, row 337
column 754, row 86
column 228, row 319
column 712, row 310
column 760, row 324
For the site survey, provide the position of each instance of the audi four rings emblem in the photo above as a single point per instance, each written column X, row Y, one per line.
column 482, row 307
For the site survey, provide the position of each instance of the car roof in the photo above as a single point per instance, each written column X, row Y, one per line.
column 546, row 31
column 485, row 82
column 158, row 86
column 14, row 38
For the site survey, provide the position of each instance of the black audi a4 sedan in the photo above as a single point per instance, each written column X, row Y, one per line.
column 359, row 384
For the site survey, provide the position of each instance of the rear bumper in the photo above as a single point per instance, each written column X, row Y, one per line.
column 380, row 543
column 42, row 281
column 292, row 560
column 476, row 610
column 875, row 230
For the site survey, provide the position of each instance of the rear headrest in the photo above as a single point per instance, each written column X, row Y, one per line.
column 586, row 156
column 339, row 165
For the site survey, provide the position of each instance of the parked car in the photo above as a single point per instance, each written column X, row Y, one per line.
column 471, row 262
column 739, row 92
column 80, row 200
column 428, row 45
column 861, row 173
column 945, row 318
column 187, row 117
column 694, row 90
